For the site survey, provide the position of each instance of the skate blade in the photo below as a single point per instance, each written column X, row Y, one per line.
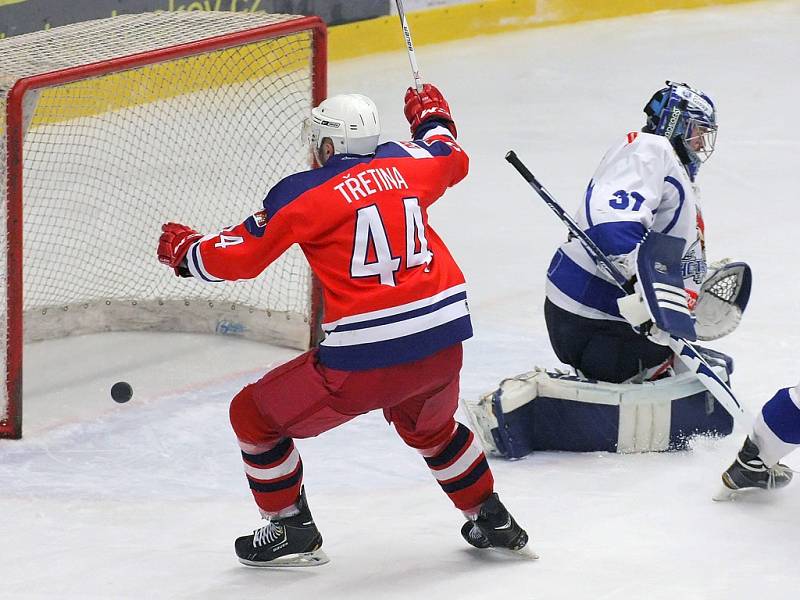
column 526, row 552
column 725, row 494
column 314, row 558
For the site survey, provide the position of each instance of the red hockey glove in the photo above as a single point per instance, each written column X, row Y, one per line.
column 173, row 245
column 426, row 105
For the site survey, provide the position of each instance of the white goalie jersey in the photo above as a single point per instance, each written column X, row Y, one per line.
column 639, row 186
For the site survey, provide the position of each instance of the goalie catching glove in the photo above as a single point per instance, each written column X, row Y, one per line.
column 174, row 243
column 659, row 305
column 426, row 105
column 722, row 299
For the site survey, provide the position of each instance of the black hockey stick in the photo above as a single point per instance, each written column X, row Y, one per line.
column 681, row 347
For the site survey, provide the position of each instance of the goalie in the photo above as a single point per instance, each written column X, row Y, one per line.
column 642, row 211
column 644, row 185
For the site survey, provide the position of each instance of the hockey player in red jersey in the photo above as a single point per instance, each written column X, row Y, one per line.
column 395, row 317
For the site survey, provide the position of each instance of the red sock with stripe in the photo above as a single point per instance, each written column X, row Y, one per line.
column 461, row 468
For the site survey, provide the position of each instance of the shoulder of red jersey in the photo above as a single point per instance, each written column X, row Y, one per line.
column 291, row 187
column 432, row 140
column 413, row 149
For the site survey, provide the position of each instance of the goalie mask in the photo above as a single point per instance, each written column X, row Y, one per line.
column 349, row 121
column 688, row 119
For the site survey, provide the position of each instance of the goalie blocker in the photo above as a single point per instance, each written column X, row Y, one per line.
column 659, row 297
column 544, row 410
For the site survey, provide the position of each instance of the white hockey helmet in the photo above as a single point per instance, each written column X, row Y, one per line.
column 350, row 121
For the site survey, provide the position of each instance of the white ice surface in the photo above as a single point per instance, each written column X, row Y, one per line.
column 143, row 500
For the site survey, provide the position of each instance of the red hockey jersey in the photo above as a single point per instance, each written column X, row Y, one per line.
column 392, row 291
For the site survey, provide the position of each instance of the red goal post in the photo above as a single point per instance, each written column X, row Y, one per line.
column 115, row 126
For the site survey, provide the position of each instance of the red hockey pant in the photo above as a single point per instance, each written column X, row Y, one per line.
column 303, row 398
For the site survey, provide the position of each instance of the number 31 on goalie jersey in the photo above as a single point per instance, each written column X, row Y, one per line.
column 370, row 231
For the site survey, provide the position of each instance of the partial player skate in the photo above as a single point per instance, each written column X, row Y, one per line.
column 494, row 527
column 748, row 472
column 288, row 542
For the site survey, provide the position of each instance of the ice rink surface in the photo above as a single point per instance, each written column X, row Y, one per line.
column 144, row 500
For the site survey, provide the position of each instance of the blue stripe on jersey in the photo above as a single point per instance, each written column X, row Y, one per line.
column 391, row 150
column 619, row 237
column 587, row 202
column 782, row 416
column 376, row 355
column 582, row 286
column 194, row 256
column 682, row 197
column 397, row 150
column 293, row 186
column 427, row 126
column 400, row 317
column 253, row 228
column 436, row 148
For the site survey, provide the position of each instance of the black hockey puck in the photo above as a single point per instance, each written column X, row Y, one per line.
column 121, row 391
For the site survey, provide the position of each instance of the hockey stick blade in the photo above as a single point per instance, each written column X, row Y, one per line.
column 681, row 347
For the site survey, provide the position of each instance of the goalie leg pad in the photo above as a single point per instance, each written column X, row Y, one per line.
column 544, row 410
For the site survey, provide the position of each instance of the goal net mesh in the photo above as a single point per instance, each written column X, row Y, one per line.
column 193, row 136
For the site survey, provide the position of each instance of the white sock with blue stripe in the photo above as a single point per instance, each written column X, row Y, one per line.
column 776, row 431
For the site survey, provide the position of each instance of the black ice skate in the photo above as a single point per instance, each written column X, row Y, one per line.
column 494, row 527
column 748, row 472
column 288, row 542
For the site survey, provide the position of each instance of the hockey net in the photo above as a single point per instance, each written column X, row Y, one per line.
column 113, row 127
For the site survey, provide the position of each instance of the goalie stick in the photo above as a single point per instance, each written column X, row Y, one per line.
column 680, row 347
column 412, row 57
